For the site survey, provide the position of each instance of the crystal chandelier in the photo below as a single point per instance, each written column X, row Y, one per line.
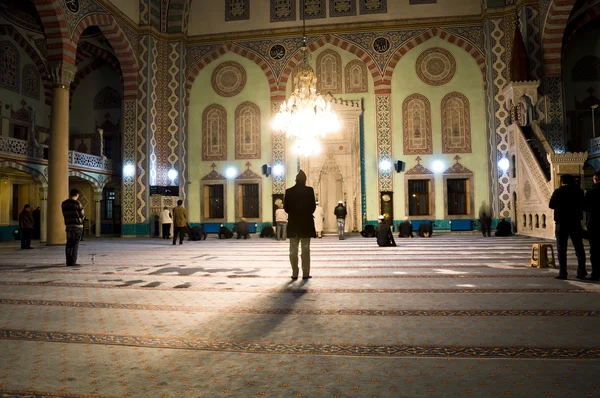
column 306, row 116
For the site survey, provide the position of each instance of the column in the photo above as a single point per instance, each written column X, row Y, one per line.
column 98, row 200
column 58, row 160
column 44, row 214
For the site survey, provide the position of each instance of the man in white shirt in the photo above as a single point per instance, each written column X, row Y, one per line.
column 281, row 219
column 165, row 220
column 319, row 217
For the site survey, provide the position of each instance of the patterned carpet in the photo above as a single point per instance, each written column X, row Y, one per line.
column 451, row 316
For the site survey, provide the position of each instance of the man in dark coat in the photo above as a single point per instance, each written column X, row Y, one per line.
column 503, row 228
column 37, row 222
column 340, row 215
column 242, row 229
column 26, row 226
column 384, row 233
column 73, row 215
column 567, row 203
column 591, row 204
column 405, row 229
column 300, row 205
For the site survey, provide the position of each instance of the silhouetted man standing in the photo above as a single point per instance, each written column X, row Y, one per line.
column 567, row 203
column 300, row 205
column 340, row 215
column 591, row 204
column 73, row 215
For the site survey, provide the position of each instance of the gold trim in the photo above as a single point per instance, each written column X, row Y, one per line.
column 61, row 86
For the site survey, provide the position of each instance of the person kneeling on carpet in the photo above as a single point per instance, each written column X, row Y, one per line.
column 242, row 228
column 224, row 233
column 384, row 233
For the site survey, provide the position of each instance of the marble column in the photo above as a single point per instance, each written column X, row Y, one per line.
column 44, row 214
column 98, row 200
column 58, row 160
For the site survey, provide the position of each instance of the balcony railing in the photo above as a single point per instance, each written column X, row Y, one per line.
column 14, row 146
column 594, row 146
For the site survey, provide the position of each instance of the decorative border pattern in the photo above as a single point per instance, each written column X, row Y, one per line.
column 312, row 9
column 129, row 150
column 172, row 103
column 554, row 113
column 408, row 148
column 376, row 350
column 373, row 6
column 278, row 149
column 383, row 126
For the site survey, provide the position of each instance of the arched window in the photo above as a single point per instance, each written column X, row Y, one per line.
column 355, row 74
column 247, row 131
column 456, row 124
column 416, row 113
column 329, row 72
column 214, row 133
column 31, row 82
column 9, row 66
column 107, row 98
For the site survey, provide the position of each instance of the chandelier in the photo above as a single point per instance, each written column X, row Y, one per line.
column 306, row 116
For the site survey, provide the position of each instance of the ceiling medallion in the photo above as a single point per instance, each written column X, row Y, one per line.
column 277, row 52
column 436, row 66
column 72, row 5
column 381, row 45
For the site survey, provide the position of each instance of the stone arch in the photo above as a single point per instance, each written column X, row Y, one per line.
column 9, row 30
column 590, row 15
column 224, row 49
column 60, row 46
column 35, row 173
column 121, row 45
column 336, row 59
column 177, row 16
column 100, row 57
column 431, row 33
column 95, row 183
column 344, row 45
column 552, row 35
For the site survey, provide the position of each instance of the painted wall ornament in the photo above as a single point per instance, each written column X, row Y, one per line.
column 283, row 10
column 312, row 9
column 277, row 52
column 214, row 133
column 355, row 77
column 72, row 5
column 236, row 10
column 228, row 79
column 436, row 66
column 456, row 124
column 381, row 45
column 247, row 131
column 373, row 6
column 416, row 115
column 342, row 8
column 329, row 72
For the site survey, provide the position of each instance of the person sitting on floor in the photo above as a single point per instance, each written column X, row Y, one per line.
column 242, row 228
column 368, row 232
column 224, row 233
column 425, row 230
column 503, row 228
column 384, row 233
column 405, row 228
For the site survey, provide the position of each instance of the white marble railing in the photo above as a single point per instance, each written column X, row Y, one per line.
column 594, row 146
column 18, row 147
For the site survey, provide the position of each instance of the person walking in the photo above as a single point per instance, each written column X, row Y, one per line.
column 26, row 226
column 319, row 217
column 165, row 221
column 591, row 205
column 179, row 222
column 485, row 220
column 299, row 204
column 340, row 214
column 281, row 220
column 384, row 233
column 567, row 203
column 73, row 214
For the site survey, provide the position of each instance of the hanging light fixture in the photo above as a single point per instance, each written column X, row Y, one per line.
column 306, row 116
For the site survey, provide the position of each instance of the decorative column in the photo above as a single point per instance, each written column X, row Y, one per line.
column 58, row 160
column 98, row 200
column 44, row 214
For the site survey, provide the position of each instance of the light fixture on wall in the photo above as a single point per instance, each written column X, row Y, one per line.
column 385, row 165
column 128, row 170
column 437, row 166
column 172, row 176
column 230, row 172
column 504, row 164
column 278, row 170
column 306, row 116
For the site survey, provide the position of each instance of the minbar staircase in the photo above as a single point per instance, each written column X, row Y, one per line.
column 540, row 153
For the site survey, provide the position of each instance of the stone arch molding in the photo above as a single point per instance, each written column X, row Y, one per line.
column 123, row 49
column 95, row 183
column 451, row 38
column 35, row 173
column 555, row 24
